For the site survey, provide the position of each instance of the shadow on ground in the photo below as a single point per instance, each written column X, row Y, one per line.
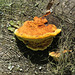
column 37, row 57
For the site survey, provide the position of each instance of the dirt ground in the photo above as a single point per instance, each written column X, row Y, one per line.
column 16, row 59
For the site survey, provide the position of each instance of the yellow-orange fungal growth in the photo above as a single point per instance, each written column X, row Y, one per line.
column 57, row 54
column 37, row 34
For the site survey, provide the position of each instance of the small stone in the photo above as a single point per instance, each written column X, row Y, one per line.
column 10, row 67
column 51, row 10
column 20, row 69
column 40, row 68
column 36, row 72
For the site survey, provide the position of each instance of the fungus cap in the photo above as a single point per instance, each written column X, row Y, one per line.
column 37, row 34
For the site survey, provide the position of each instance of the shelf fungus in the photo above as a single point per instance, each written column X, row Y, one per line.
column 56, row 55
column 37, row 34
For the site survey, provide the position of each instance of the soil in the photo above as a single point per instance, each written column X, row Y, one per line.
column 16, row 58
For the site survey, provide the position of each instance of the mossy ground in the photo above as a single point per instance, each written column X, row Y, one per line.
column 16, row 59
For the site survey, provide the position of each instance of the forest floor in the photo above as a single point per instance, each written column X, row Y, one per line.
column 16, row 59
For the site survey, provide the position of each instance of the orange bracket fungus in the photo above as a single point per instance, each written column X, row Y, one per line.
column 57, row 54
column 36, row 34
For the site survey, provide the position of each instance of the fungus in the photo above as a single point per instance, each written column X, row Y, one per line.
column 57, row 54
column 36, row 34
